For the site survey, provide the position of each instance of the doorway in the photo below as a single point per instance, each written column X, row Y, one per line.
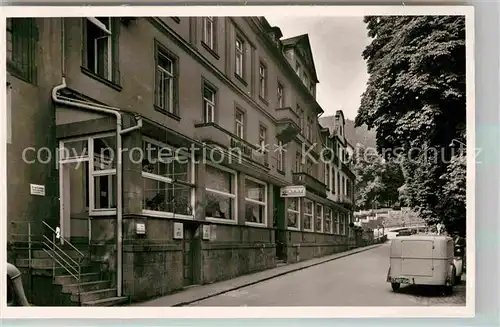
column 279, row 225
column 191, row 251
column 74, row 194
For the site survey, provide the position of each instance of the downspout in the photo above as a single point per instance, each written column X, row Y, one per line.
column 119, row 171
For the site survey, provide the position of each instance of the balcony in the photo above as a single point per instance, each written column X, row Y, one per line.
column 310, row 182
column 348, row 169
column 213, row 134
column 288, row 124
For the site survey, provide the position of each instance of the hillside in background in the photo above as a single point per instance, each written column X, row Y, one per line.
column 354, row 135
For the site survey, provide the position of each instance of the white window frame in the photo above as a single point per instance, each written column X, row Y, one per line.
column 319, row 215
column 208, row 31
column 165, row 76
column 311, row 216
column 281, row 95
column 342, row 224
column 92, row 173
column 279, row 157
column 262, row 80
column 234, row 219
column 109, row 33
column 168, row 180
column 262, row 136
column 240, row 124
column 326, row 174
column 330, row 211
column 264, row 203
column 208, row 105
column 297, row 212
column 9, row 113
column 239, row 56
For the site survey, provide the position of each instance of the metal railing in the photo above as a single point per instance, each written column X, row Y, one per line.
column 60, row 258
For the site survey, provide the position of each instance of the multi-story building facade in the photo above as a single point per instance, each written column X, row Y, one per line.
column 163, row 145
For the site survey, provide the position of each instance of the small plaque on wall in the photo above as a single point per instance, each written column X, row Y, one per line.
column 206, row 232
column 178, row 231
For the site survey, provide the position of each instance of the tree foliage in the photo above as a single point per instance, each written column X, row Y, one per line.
column 377, row 179
column 415, row 99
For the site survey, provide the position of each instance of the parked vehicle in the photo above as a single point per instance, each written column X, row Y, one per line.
column 422, row 260
column 459, row 258
column 15, row 291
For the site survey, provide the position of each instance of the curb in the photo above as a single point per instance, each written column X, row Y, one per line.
column 180, row 304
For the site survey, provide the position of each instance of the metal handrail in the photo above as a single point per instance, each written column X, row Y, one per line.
column 64, row 239
column 56, row 247
column 55, row 259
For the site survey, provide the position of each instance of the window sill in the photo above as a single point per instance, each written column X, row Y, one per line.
column 159, row 214
column 97, row 213
column 295, row 229
column 167, row 113
column 281, row 172
column 222, row 220
column 263, row 100
column 249, row 223
column 241, row 79
column 93, row 75
column 210, row 50
column 176, row 19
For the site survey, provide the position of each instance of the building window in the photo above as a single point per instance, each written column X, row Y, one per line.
column 209, row 32
column 165, row 81
column 298, row 69
column 300, row 112
column 327, row 175
column 21, row 48
column 208, row 104
column 262, row 81
column 240, row 123
column 338, row 184
column 328, row 220
column 310, row 167
column 298, row 162
column 309, row 129
column 9, row 113
column 99, row 39
column 262, row 137
column 281, row 96
column 342, row 224
column 334, row 183
column 220, row 187
column 306, row 80
column 279, row 157
column 308, row 215
column 255, row 202
column 336, row 222
column 293, row 213
column 240, row 56
column 319, row 218
column 168, row 177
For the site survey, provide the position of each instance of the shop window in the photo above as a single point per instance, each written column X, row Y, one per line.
column 342, row 224
column 328, row 221
column 318, row 227
column 293, row 213
column 336, row 222
column 168, row 181
column 220, row 193
column 308, row 215
column 255, row 202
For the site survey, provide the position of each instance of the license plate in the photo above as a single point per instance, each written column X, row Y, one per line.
column 402, row 280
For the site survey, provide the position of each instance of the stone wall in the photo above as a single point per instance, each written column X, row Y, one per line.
column 306, row 245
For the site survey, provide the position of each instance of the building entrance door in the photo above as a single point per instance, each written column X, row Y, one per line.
column 74, row 200
column 191, row 253
column 279, row 224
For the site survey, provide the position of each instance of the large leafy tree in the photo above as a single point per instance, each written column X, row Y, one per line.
column 415, row 99
column 377, row 180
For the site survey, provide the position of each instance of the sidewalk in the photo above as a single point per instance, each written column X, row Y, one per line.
column 202, row 292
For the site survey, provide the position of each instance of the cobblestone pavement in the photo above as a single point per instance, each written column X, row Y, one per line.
column 356, row 280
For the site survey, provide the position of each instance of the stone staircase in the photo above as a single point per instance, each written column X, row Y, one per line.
column 93, row 288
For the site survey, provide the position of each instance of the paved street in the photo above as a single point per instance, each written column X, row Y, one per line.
column 357, row 280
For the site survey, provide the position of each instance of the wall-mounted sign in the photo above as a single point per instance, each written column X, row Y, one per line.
column 206, row 232
column 293, row 191
column 245, row 148
column 37, row 189
column 140, row 228
column 178, row 231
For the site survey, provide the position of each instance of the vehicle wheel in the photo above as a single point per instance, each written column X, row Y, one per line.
column 395, row 286
column 448, row 290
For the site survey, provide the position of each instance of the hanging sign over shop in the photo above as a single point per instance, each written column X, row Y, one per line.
column 293, row 191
